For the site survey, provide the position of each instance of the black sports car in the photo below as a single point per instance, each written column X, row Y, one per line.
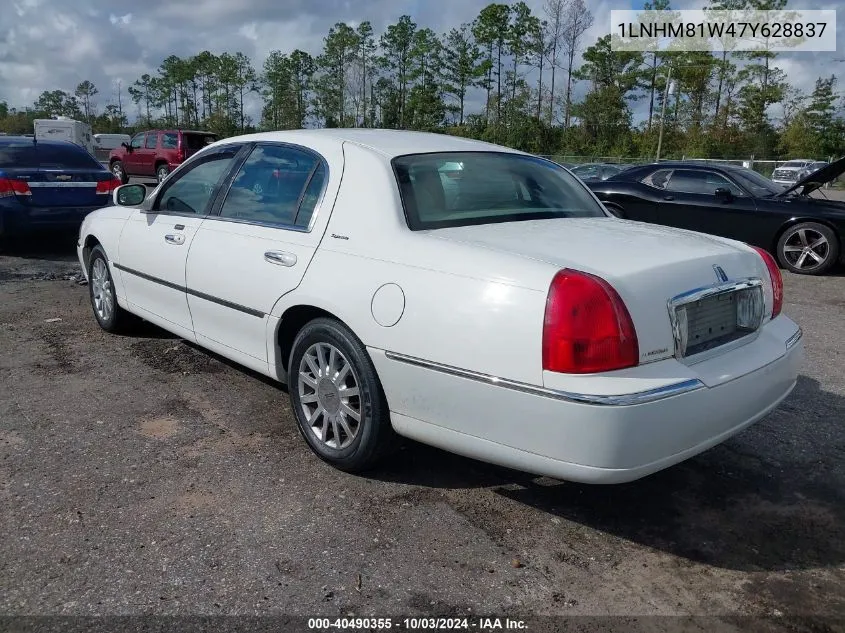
column 596, row 171
column 805, row 233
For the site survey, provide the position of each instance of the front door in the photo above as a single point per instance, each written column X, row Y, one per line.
column 132, row 157
column 690, row 202
column 263, row 226
column 154, row 245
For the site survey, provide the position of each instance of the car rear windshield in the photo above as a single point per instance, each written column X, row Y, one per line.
column 198, row 141
column 34, row 155
column 464, row 188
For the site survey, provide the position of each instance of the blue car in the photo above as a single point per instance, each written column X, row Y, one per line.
column 49, row 185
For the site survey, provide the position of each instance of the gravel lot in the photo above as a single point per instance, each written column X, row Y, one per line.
column 142, row 475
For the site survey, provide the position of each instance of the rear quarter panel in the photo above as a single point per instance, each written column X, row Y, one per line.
column 637, row 201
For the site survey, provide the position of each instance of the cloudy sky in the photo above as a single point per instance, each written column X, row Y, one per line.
column 50, row 44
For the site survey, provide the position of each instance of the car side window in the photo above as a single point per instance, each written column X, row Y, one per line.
column 169, row 140
column 137, row 141
column 658, row 179
column 699, row 181
column 311, row 197
column 193, row 190
column 716, row 181
column 276, row 185
column 151, row 140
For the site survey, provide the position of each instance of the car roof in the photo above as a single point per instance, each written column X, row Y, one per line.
column 178, row 130
column 28, row 140
column 388, row 143
column 692, row 164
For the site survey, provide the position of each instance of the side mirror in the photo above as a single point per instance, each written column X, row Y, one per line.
column 723, row 195
column 129, row 195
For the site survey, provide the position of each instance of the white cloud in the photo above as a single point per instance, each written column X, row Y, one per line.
column 55, row 44
column 123, row 19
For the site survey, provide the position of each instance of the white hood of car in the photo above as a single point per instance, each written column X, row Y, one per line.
column 647, row 264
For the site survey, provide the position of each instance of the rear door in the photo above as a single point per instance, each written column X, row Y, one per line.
column 689, row 202
column 254, row 248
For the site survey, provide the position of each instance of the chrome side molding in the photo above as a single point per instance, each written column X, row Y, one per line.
column 622, row 400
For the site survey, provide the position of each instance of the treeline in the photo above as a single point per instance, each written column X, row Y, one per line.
column 509, row 76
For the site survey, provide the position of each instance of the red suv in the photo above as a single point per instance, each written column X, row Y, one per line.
column 156, row 153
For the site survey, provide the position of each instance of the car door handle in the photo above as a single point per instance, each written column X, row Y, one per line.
column 668, row 197
column 174, row 239
column 280, row 257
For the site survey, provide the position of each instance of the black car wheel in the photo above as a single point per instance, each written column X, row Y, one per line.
column 808, row 248
column 337, row 397
column 161, row 172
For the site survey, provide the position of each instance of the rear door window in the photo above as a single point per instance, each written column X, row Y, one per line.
column 151, row 140
column 274, row 186
column 658, row 179
column 169, row 140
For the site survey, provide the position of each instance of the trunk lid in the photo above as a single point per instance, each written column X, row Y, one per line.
column 647, row 264
column 56, row 188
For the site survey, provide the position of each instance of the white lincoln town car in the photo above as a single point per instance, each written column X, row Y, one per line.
column 458, row 293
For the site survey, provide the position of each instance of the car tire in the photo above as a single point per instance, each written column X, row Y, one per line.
column 793, row 245
column 161, row 172
column 110, row 316
column 328, row 361
column 118, row 172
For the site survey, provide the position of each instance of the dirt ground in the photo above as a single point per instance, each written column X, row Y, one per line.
column 142, row 475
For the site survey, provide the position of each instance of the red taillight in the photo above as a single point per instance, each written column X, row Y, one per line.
column 11, row 187
column 777, row 280
column 108, row 186
column 587, row 328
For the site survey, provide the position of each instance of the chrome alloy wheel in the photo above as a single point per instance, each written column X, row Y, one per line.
column 329, row 395
column 101, row 290
column 806, row 249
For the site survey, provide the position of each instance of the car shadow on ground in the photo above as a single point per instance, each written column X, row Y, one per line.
column 57, row 246
column 776, row 505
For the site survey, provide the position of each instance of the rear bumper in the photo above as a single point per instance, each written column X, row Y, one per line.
column 564, row 435
column 18, row 219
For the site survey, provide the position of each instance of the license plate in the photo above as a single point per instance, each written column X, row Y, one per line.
column 705, row 323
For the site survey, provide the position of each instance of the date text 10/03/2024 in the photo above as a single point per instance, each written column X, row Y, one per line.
column 416, row 624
